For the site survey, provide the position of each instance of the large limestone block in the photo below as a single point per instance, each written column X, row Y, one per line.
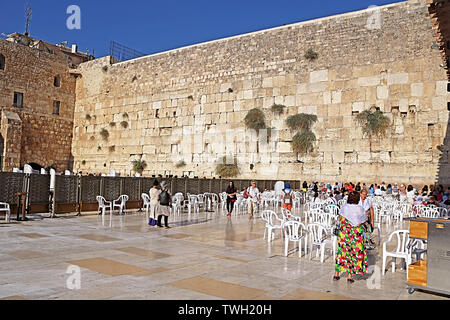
column 318, row 76
column 417, row 89
column 382, row 92
column 397, row 78
column 441, row 88
column 369, row 81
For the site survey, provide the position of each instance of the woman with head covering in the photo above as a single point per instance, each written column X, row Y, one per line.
column 154, row 195
column 287, row 197
column 352, row 255
column 165, row 201
column 231, row 198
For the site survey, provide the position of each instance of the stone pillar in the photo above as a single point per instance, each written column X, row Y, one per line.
column 11, row 131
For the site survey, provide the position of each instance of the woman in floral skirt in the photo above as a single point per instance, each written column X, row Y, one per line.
column 352, row 255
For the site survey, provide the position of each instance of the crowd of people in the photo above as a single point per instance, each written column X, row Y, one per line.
column 356, row 218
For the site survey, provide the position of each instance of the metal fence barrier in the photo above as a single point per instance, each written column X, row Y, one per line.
column 78, row 193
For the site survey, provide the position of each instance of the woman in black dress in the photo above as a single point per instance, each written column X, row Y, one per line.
column 231, row 198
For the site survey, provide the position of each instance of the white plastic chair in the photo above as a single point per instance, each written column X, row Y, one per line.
column 273, row 223
column 4, row 207
column 319, row 238
column 120, row 203
column 146, row 200
column 223, row 200
column 294, row 231
column 401, row 251
column 103, row 204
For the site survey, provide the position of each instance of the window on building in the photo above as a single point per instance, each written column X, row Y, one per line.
column 2, row 62
column 57, row 81
column 56, row 106
column 18, row 99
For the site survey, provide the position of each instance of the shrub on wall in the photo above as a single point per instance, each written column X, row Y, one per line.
column 373, row 123
column 124, row 124
column 180, row 164
column 303, row 142
column 227, row 170
column 88, row 117
column 139, row 166
column 125, row 115
column 112, row 148
column 105, row 134
column 301, row 121
column 311, row 54
column 255, row 119
column 112, row 124
column 278, row 109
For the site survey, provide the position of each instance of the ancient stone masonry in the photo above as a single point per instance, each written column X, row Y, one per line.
column 440, row 18
column 178, row 104
column 31, row 132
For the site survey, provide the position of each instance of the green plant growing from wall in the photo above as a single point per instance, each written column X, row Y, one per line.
column 105, row 68
column 92, row 138
column 139, row 166
column 83, row 162
column 374, row 124
column 303, row 140
column 99, row 148
column 227, row 170
column 180, row 164
column 255, row 120
column 104, row 133
column 311, row 55
column 88, row 117
column 125, row 115
column 301, row 121
column 278, row 109
column 124, row 124
column 112, row 124
column 112, row 149
column 134, row 79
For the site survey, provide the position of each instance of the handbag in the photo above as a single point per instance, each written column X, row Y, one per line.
column 152, row 222
column 337, row 229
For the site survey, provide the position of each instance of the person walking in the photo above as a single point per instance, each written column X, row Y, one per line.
column 253, row 199
column 287, row 196
column 352, row 255
column 165, row 200
column 154, row 202
column 231, row 198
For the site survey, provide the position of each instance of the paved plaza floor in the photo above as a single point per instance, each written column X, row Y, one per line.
column 203, row 256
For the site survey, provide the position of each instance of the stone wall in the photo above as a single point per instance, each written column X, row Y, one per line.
column 44, row 138
column 178, row 104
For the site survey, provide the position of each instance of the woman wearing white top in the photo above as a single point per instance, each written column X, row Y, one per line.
column 154, row 203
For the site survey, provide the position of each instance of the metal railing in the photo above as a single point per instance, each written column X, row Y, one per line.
column 78, row 193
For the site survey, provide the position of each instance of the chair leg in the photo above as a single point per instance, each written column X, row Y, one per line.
column 322, row 253
column 286, row 248
column 384, row 265
column 300, row 248
column 393, row 264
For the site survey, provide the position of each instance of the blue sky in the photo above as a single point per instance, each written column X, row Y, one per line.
column 154, row 26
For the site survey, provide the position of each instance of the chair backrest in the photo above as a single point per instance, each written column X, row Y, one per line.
column 430, row 212
column 274, row 220
column 294, row 230
column 201, row 198
column 317, row 232
column 402, row 237
column 327, row 220
column 100, row 200
column 145, row 198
